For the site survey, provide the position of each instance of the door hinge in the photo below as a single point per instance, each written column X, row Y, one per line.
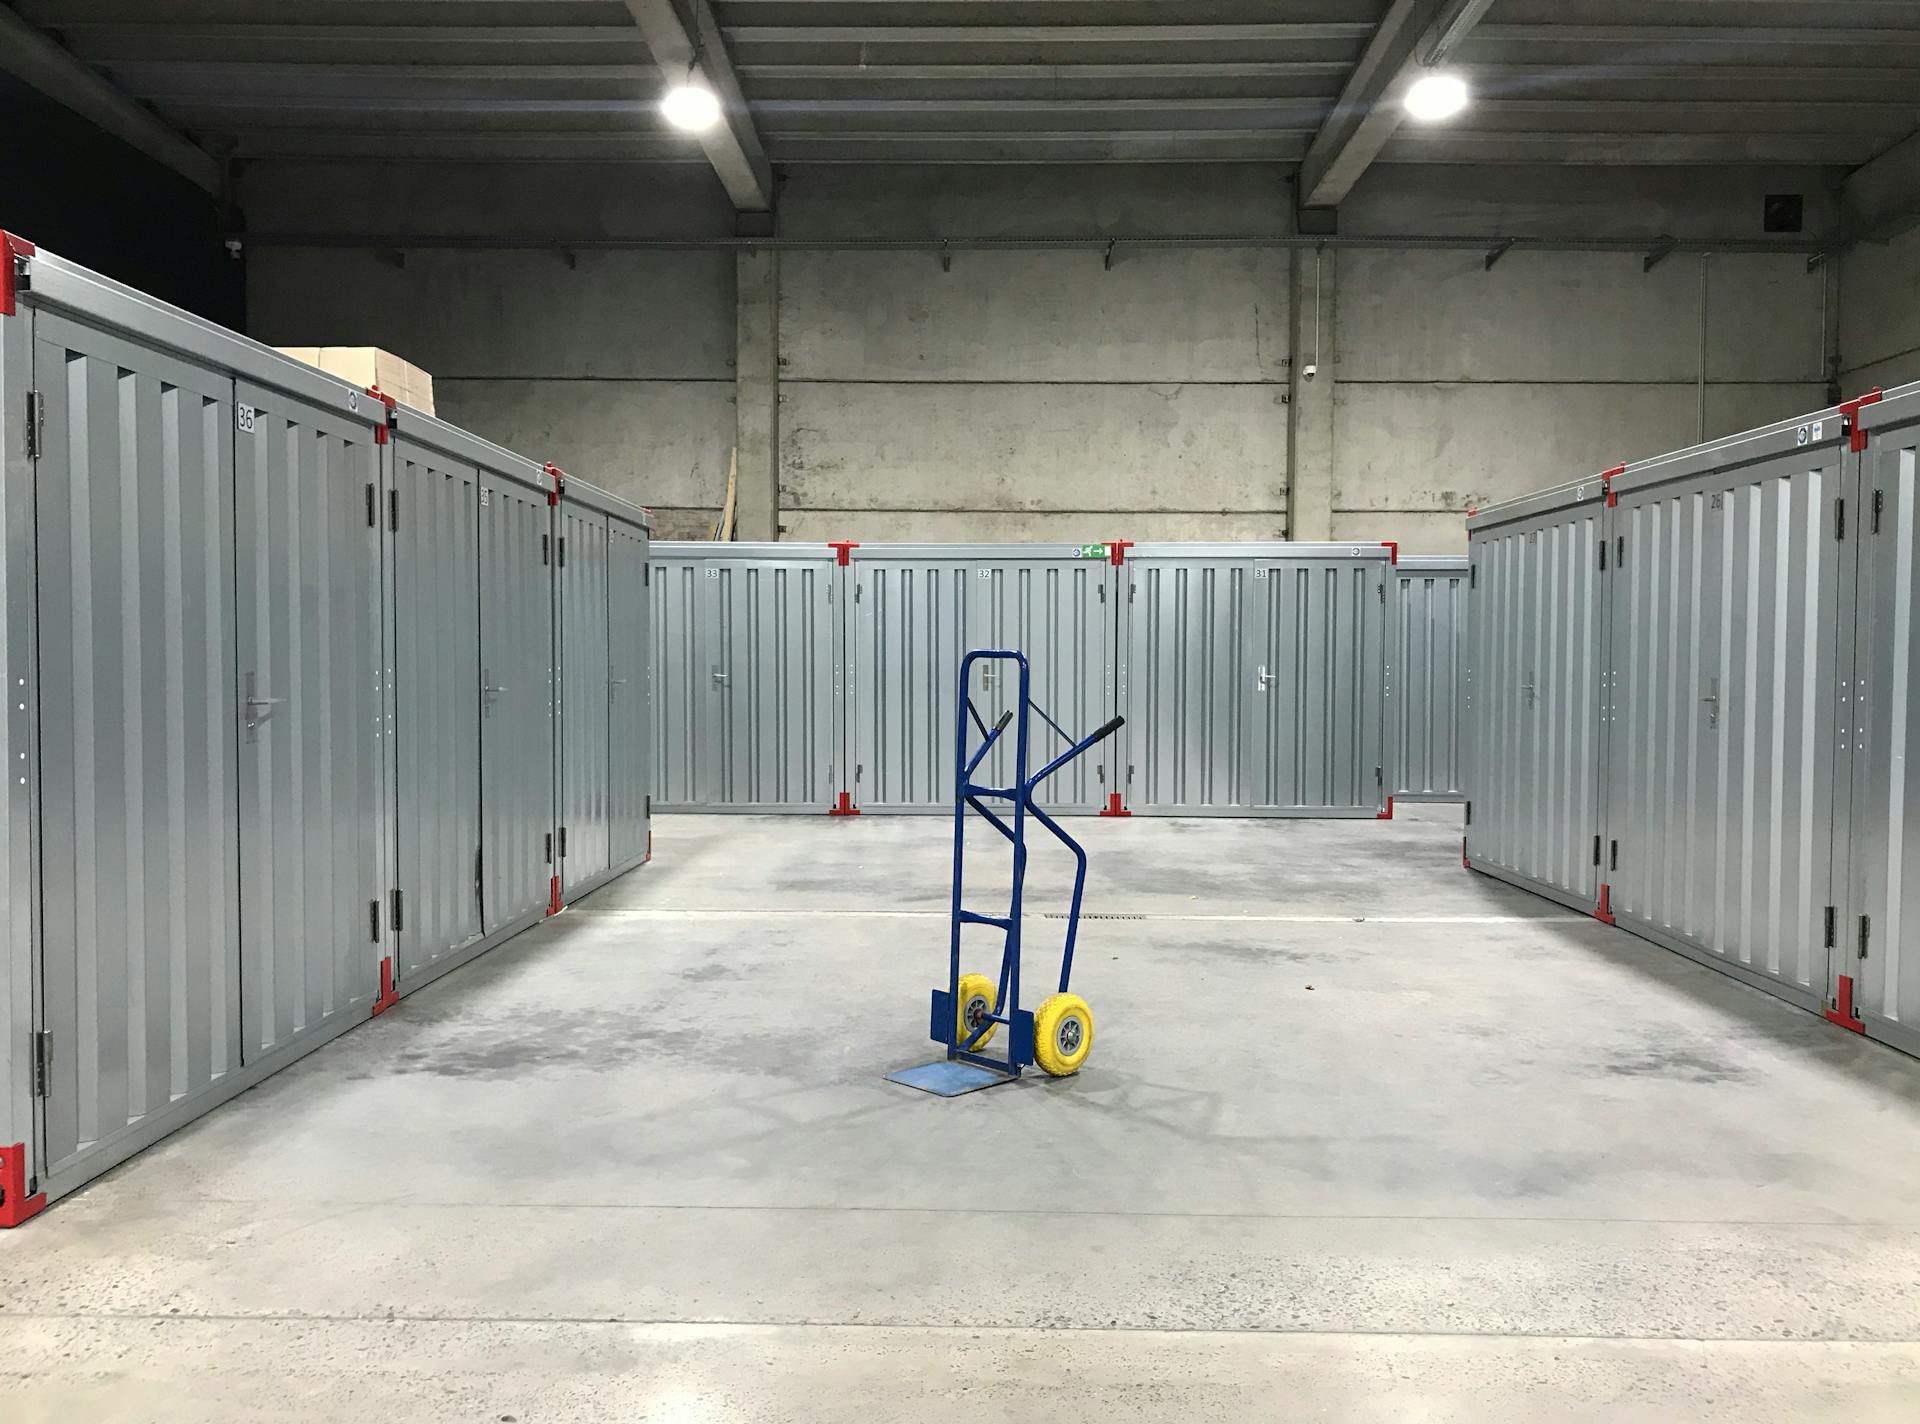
column 393, row 510
column 1620, row 553
column 1879, row 504
column 1379, row 776
column 563, row 551
column 829, row 593
column 373, row 509
column 563, row 843
column 1613, row 855
column 1383, row 590
column 373, row 918
column 647, row 808
column 36, row 424
column 549, row 847
column 1866, row 934
column 1473, row 576
column 42, row 1062
column 1103, row 593
column 397, row 915
column 1596, row 850
column 1469, row 820
column 857, row 592
column 479, row 869
column 1833, row 929
column 646, row 576
column 546, row 552
column 1839, row 520
column 1603, row 556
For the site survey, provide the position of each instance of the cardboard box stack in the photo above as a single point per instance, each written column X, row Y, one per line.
column 370, row 366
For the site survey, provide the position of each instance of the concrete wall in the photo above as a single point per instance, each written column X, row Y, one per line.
column 1880, row 314
column 1039, row 395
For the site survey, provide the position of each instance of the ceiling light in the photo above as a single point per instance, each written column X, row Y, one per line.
column 1436, row 97
column 691, row 106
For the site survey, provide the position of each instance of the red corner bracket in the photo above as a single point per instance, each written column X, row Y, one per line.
column 1117, row 550
column 1604, row 913
column 1386, row 815
column 12, row 249
column 1607, row 477
column 15, row 1205
column 844, row 806
column 380, row 435
column 389, row 996
column 554, row 903
column 1465, row 864
column 843, row 550
column 1392, row 546
column 559, row 478
column 1115, row 806
column 1851, row 410
column 1842, row 1011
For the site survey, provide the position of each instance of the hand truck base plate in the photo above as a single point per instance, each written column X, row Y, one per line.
column 948, row 1079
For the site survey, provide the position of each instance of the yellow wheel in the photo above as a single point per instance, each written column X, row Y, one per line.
column 1062, row 1034
column 977, row 998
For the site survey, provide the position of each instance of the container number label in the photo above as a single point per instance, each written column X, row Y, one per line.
column 714, row 574
column 243, row 418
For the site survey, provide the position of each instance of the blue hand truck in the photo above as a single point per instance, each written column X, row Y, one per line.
column 970, row 1011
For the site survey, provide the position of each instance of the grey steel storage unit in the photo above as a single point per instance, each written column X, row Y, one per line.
column 473, row 689
column 1253, row 679
column 747, row 676
column 238, row 594
column 200, row 742
column 1877, row 937
column 915, row 610
column 1426, row 665
column 1535, row 668
column 1727, row 598
column 605, row 750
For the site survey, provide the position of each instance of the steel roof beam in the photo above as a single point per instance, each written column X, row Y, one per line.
column 680, row 44
column 1413, row 35
column 1881, row 199
column 37, row 61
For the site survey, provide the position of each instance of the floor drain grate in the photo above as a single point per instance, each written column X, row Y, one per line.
column 1089, row 915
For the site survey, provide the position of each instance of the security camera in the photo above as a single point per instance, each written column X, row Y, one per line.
column 1309, row 372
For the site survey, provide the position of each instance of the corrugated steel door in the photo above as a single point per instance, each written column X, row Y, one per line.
column 437, row 694
column 138, row 723
column 516, row 724
column 918, row 609
column 1726, row 595
column 1538, row 648
column 1253, row 678
column 913, row 620
column 746, row 673
column 584, row 689
column 1319, row 631
column 630, row 755
column 1426, row 653
column 684, row 681
column 1058, row 609
column 1878, row 940
column 1188, row 680
column 310, row 700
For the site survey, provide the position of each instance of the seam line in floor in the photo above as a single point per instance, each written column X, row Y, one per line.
column 729, row 1323
column 731, row 913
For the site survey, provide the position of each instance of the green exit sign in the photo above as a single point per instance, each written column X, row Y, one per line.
column 1094, row 551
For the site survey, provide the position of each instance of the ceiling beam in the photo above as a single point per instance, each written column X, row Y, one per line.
column 1413, row 35
column 34, row 59
column 1881, row 199
column 680, row 44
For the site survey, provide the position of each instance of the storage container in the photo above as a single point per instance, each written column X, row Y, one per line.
column 280, row 715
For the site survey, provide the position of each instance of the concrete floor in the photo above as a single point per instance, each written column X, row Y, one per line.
column 1363, row 1136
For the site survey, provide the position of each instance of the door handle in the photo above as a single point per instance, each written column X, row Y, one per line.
column 1262, row 677
column 488, row 691
column 255, row 709
column 719, row 678
column 1527, row 688
column 1712, row 702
